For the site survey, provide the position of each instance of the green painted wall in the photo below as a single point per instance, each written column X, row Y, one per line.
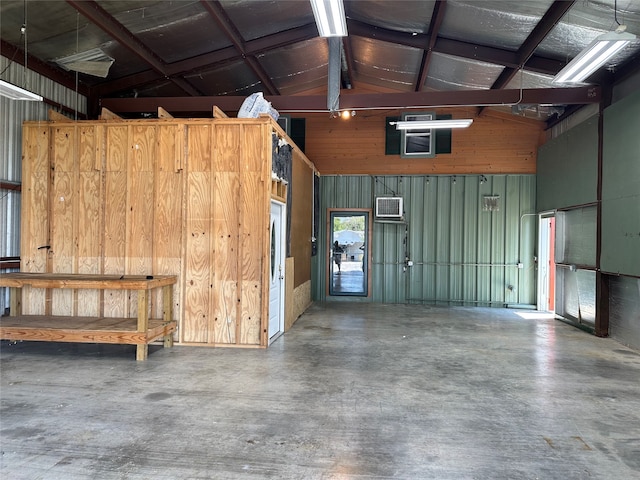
column 462, row 254
column 621, row 188
column 567, row 168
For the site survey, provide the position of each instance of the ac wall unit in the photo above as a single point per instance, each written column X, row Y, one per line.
column 389, row 207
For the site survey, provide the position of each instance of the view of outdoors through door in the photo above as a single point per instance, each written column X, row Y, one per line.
column 348, row 257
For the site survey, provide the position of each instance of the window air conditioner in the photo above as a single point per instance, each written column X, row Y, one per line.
column 389, row 207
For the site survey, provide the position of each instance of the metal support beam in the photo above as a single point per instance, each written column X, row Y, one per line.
column 457, row 48
column 211, row 60
column 549, row 20
column 388, row 101
column 225, row 23
column 102, row 19
column 434, row 28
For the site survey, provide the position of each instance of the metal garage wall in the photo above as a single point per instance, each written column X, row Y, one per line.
column 624, row 310
column 621, row 188
column 461, row 253
column 12, row 114
column 567, row 168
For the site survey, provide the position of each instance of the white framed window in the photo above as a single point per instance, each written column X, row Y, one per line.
column 418, row 143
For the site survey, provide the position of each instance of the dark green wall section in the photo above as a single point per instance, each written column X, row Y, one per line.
column 621, row 188
column 568, row 168
column 462, row 254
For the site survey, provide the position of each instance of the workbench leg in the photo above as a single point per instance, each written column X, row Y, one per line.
column 142, row 351
column 15, row 301
column 167, row 312
column 143, row 324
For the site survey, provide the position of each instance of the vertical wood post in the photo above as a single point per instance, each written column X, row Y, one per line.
column 167, row 312
column 142, row 350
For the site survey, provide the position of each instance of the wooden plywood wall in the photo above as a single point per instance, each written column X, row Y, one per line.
column 165, row 197
column 495, row 143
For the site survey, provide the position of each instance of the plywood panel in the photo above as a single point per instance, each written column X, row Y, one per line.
column 253, row 233
column 171, row 147
column 140, row 223
column 116, row 148
column 168, row 210
column 199, row 149
column 226, row 147
column 301, row 219
column 63, row 208
column 89, row 218
column 114, row 240
column 143, row 147
column 254, row 151
column 226, row 247
column 34, row 219
column 197, row 280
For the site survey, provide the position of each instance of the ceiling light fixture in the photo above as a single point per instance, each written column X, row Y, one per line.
column 14, row 92
column 432, row 124
column 594, row 56
column 330, row 18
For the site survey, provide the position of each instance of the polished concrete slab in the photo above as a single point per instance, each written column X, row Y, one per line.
column 352, row 391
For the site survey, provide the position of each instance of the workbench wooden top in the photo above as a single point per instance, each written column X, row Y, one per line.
column 73, row 280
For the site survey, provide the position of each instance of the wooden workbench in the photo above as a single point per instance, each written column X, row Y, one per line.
column 138, row 331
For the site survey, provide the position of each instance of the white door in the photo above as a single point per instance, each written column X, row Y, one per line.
column 276, row 272
column 546, row 265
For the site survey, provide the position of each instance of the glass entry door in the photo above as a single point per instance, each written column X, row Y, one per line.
column 348, row 262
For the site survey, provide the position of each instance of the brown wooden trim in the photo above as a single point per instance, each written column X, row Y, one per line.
column 9, row 262
column 8, row 185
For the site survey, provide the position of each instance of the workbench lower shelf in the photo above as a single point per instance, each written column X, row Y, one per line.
column 49, row 328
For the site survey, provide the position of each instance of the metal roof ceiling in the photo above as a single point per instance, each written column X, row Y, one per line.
column 186, row 48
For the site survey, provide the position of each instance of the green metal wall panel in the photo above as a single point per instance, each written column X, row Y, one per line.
column 461, row 254
column 567, row 168
column 621, row 187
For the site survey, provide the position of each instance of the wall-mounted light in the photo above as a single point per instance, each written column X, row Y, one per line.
column 14, row 92
column 330, row 18
column 594, row 56
column 348, row 114
column 432, row 124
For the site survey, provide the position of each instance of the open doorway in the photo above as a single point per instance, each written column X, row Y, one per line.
column 348, row 259
column 546, row 263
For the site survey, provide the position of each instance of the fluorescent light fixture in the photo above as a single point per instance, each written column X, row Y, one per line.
column 593, row 57
column 14, row 92
column 329, row 15
column 431, row 124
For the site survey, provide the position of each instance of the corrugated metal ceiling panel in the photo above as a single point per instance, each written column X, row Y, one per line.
column 454, row 73
column 298, row 67
column 587, row 20
column 405, row 16
column 189, row 27
column 385, row 64
column 258, row 18
column 501, row 24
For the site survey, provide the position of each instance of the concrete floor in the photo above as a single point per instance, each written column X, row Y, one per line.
column 352, row 391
